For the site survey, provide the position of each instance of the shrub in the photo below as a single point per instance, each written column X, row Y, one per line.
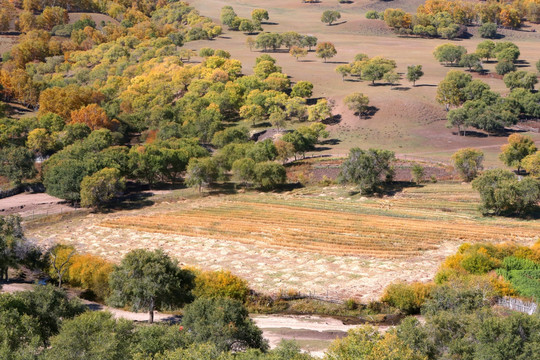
column 220, row 284
column 408, row 298
column 372, row 14
column 92, row 273
column 418, row 173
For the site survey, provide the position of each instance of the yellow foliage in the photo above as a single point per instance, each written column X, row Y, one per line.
column 90, row 272
column 221, row 283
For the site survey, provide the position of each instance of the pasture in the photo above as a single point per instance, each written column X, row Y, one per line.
column 408, row 120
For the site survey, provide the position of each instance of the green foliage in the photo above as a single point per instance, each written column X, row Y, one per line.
column 369, row 169
column 488, row 30
column 486, row 49
column 414, row 73
column 101, row 187
column 372, row 14
column 502, row 193
column 357, row 102
column 302, row 89
column 269, row 174
column 523, row 274
column 449, row 53
column 93, row 335
column 222, row 322
column 468, row 162
column 418, row 173
column 17, row 164
column 407, row 298
column 325, row 50
column 149, row 280
column 520, row 79
column 518, row 147
column 505, row 67
column 330, row 16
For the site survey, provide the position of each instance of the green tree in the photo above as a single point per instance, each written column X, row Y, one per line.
column 94, row 335
column 468, row 162
column 414, row 73
column 520, row 79
column 488, row 30
column 269, row 174
column 203, row 171
column 259, row 15
column 320, row 111
column 418, row 172
column 150, row 280
column 518, row 147
column 502, row 193
column 375, row 68
column 471, row 61
column 244, row 170
column 17, row 164
column 298, row 52
column 343, row 70
column 310, row 41
column 222, row 322
column 449, row 53
column 101, row 187
column 326, row 50
column 62, row 178
column 12, row 244
column 227, row 16
column 302, row 89
column 357, row 102
column 486, row 49
column 504, row 67
column 329, row 16
column 368, row 169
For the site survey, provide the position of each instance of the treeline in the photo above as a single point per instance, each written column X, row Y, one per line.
column 449, row 19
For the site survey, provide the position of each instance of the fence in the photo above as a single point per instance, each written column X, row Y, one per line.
column 527, row 307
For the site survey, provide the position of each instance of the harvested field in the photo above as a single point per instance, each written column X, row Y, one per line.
column 312, row 225
column 324, row 240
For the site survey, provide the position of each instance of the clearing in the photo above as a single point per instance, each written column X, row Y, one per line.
column 327, row 241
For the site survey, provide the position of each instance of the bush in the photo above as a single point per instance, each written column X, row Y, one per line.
column 372, row 14
column 220, row 284
column 418, row 173
column 92, row 273
column 408, row 298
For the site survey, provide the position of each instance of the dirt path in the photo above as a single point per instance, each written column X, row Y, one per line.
column 32, row 204
column 313, row 333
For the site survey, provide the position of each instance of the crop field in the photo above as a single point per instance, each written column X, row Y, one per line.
column 399, row 228
column 314, row 239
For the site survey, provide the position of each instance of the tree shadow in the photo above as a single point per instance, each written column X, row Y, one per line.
column 353, row 80
column 425, row 85
column 225, row 188
column 388, row 189
column 334, row 120
column 338, row 23
column 371, row 110
column 336, row 62
column 401, row 88
column 269, row 23
column 330, row 142
column 130, row 201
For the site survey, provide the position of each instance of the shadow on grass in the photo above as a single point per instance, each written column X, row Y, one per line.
column 334, row 120
column 388, row 189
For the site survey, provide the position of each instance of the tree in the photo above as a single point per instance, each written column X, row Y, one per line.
column 488, row 30
column 320, row 111
column 520, row 79
column 329, row 16
column 40, row 141
column 246, row 26
column 531, row 164
column 298, row 52
column 418, row 173
column 60, row 258
column 502, row 193
column 94, row 335
column 13, row 244
column 468, row 162
column 17, row 164
column 391, row 77
column 486, row 49
column 201, row 171
column 448, row 94
column 250, row 42
column 357, row 102
column 302, row 89
column 518, row 147
column 278, row 119
column 506, row 51
column 375, row 68
column 449, row 53
column 227, row 16
column 101, row 187
column 368, row 169
column 150, row 280
column 310, row 41
column 504, row 67
column 224, row 323
column 259, row 15
column 291, row 38
column 62, row 178
column 269, row 174
column 471, row 61
column 343, row 70
column 414, row 73
column 326, row 50
column 538, row 65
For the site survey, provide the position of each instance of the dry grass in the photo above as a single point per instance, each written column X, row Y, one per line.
column 400, row 227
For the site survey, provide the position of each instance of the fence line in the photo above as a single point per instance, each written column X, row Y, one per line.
column 527, row 307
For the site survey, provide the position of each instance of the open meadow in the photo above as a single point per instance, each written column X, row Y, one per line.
column 408, row 119
column 315, row 239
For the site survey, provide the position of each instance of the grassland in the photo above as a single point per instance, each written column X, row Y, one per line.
column 312, row 239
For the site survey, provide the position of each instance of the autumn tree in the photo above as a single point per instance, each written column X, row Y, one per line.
column 259, row 15
column 326, row 50
column 63, row 100
column 94, row 117
column 298, row 52
column 320, row 111
column 518, row 147
column 150, row 280
column 531, row 164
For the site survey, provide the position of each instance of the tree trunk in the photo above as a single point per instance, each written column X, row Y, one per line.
column 151, row 312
